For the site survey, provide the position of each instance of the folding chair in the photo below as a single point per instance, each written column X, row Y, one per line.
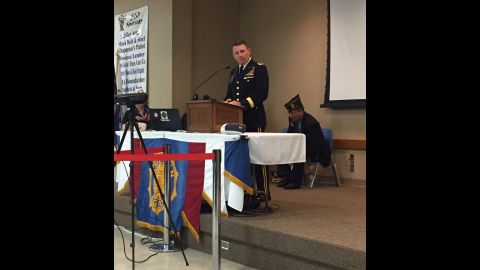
column 328, row 133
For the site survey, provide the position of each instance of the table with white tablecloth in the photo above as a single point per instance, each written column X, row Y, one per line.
column 264, row 149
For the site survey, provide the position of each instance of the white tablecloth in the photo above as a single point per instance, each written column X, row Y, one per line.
column 265, row 148
column 276, row 148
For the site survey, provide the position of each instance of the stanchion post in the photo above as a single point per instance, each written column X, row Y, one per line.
column 166, row 192
column 216, row 209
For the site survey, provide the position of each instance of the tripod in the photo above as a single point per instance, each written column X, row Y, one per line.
column 131, row 124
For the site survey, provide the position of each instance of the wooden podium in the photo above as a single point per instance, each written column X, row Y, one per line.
column 210, row 115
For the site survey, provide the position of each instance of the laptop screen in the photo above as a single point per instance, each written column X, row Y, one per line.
column 165, row 119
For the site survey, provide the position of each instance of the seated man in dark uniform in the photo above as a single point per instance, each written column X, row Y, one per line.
column 317, row 150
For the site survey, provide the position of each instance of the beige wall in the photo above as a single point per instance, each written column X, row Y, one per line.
column 215, row 28
column 159, row 74
column 190, row 39
column 182, row 54
column 290, row 37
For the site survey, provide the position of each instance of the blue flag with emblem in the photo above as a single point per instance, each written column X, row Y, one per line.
column 150, row 207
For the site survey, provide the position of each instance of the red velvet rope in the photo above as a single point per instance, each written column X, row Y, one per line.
column 151, row 157
column 150, row 150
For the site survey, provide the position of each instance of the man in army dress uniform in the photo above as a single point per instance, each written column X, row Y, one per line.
column 318, row 149
column 248, row 87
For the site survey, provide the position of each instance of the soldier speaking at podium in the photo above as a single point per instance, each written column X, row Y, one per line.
column 248, row 87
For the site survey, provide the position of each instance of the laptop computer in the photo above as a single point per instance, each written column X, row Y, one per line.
column 165, row 119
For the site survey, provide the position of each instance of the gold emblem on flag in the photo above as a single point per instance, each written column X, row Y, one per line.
column 156, row 203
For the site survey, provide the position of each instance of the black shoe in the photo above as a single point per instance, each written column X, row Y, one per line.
column 282, row 183
column 261, row 196
column 278, row 179
column 292, row 185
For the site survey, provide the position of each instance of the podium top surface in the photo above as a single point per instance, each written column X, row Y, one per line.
column 205, row 101
column 213, row 101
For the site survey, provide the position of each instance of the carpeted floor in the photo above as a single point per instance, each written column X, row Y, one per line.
column 319, row 228
column 334, row 215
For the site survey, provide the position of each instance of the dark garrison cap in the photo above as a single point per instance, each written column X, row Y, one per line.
column 294, row 103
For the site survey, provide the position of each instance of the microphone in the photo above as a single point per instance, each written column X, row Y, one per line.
column 195, row 93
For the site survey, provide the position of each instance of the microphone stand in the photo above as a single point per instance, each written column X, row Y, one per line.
column 195, row 93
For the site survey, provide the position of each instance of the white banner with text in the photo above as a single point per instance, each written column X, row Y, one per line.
column 130, row 51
